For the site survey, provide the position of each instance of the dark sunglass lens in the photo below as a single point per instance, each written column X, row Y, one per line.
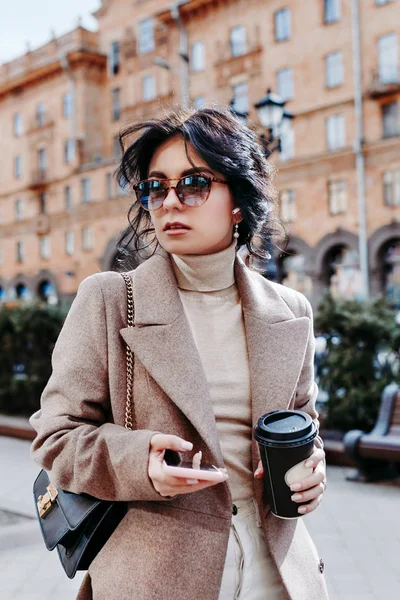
column 150, row 194
column 194, row 189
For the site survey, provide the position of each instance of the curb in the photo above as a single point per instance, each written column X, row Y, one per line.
column 16, row 427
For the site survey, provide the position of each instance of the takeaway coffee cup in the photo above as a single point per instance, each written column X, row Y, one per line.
column 286, row 440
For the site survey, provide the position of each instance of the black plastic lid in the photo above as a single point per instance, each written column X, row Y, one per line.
column 284, row 426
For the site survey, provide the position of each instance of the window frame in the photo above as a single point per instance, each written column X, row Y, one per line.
column 335, row 7
column 337, row 198
column 388, row 120
column 287, row 27
column 145, row 39
column 69, row 242
column 288, row 212
column 18, row 124
column 18, row 166
column 198, row 60
column 332, row 68
column 279, row 73
column 86, row 190
column 44, row 247
column 334, row 119
column 391, row 188
column 87, row 238
column 241, row 43
column 245, row 108
column 114, row 58
column 148, row 78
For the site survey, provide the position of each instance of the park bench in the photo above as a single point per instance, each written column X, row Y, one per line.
column 377, row 454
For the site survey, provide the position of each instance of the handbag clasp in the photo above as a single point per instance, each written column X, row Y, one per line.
column 45, row 503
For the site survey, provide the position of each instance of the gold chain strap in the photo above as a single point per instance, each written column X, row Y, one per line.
column 129, row 354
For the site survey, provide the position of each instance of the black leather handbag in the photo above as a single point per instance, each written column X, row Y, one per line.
column 79, row 525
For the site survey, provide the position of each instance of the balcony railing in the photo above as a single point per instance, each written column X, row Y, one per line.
column 384, row 82
column 39, row 179
column 40, row 122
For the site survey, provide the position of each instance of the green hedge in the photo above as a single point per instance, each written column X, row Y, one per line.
column 361, row 358
column 27, row 338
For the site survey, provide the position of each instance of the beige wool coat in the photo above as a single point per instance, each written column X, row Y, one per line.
column 169, row 549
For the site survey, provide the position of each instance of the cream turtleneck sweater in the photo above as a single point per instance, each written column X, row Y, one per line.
column 212, row 305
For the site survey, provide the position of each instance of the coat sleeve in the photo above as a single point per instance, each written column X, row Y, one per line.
column 307, row 389
column 84, row 452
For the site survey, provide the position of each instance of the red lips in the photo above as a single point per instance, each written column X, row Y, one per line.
column 176, row 224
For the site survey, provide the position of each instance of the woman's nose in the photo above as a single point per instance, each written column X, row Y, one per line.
column 172, row 200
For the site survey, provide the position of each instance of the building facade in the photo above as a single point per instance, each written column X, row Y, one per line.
column 62, row 105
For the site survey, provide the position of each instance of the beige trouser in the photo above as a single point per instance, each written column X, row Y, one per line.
column 249, row 573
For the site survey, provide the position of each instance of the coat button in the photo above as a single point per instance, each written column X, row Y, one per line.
column 234, row 509
column 321, row 566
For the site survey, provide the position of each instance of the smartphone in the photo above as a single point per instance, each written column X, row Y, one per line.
column 185, row 471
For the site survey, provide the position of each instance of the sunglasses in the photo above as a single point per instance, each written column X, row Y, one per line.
column 192, row 190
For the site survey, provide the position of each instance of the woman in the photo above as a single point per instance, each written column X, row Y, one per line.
column 216, row 346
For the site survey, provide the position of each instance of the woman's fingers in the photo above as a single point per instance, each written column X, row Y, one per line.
column 307, row 508
column 318, row 475
column 162, row 441
column 259, row 472
column 316, row 457
column 310, row 494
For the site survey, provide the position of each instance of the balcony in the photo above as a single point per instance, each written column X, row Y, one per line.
column 384, row 83
column 78, row 39
column 39, row 179
column 135, row 60
column 231, row 63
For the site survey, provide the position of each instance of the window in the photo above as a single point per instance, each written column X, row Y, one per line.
column 390, row 119
column 18, row 125
column 282, row 25
column 146, row 36
column 20, row 252
column 44, row 245
column 67, row 198
column 334, row 69
column 18, row 167
column 337, row 194
column 288, row 206
column 109, row 185
column 87, row 238
column 68, row 105
column 382, row 2
column 199, row 101
column 335, row 132
column 69, row 151
column 391, row 188
column 69, row 242
column 86, row 190
column 114, row 58
column 240, row 98
column 116, row 147
column 332, row 11
column 198, row 57
column 42, row 160
column 238, row 41
column 116, row 104
column 43, row 203
column 388, row 59
column 18, row 210
column 287, row 139
column 40, row 115
column 149, row 88
column 285, row 83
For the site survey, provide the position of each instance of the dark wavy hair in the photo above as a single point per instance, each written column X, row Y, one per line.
column 228, row 147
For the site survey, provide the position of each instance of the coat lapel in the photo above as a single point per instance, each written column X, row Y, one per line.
column 276, row 342
column 162, row 340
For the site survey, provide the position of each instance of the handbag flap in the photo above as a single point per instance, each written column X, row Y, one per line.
column 66, row 514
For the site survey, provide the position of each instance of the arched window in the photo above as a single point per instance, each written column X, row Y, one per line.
column 2, row 294
column 391, row 269
column 343, row 273
column 22, row 292
column 294, row 275
column 47, row 292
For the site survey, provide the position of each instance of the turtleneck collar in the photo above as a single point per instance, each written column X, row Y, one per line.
column 205, row 272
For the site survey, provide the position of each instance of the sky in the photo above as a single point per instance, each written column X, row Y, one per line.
column 31, row 21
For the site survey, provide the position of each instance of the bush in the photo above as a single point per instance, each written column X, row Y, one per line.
column 27, row 338
column 361, row 358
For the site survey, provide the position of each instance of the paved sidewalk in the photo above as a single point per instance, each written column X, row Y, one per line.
column 356, row 530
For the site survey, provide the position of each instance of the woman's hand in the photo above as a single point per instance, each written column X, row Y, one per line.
column 164, row 484
column 310, row 489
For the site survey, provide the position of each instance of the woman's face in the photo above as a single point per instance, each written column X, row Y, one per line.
column 210, row 226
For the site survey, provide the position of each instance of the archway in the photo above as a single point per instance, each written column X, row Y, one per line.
column 383, row 263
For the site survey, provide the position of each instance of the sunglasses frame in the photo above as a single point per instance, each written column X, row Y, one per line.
column 211, row 179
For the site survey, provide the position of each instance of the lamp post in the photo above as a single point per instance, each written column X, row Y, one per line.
column 277, row 124
column 276, row 121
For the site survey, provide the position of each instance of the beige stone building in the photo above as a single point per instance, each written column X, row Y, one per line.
column 62, row 105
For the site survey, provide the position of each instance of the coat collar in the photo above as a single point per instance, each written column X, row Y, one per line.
column 162, row 340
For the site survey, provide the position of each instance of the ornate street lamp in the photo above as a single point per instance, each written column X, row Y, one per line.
column 274, row 119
